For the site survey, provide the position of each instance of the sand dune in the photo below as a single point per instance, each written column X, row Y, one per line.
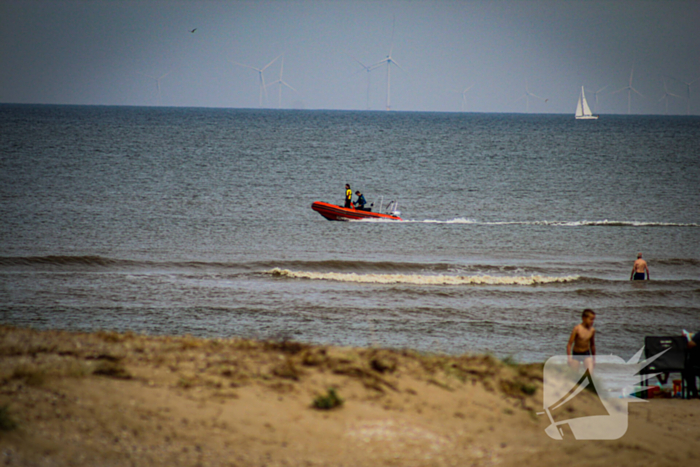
column 123, row 399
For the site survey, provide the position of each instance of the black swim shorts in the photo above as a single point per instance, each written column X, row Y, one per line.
column 581, row 356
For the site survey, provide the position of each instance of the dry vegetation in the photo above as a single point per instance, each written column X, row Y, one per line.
column 106, row 398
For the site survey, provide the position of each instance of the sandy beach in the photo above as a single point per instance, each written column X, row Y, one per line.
column 114, row 399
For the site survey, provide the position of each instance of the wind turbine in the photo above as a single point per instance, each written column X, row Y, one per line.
column 464, row 96
column 389, row 61
column 687, row 84
column 261, row 77
column 629, row 89
column 280, row 82
column 526, row 96
column 367, row 69
column 157, row 80
column 595, row 94
column 666, row 94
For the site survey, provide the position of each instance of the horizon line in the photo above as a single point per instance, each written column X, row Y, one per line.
column 335, row 110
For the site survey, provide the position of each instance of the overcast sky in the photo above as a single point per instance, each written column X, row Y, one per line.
column 109, row 52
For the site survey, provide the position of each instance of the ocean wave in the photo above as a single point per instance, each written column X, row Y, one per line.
column 420, row 279
column 95, row 261
column 353, row 265
column 678, row 261
column 58, row 260
column 396, row 267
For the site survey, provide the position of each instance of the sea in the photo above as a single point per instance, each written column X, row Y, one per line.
column 198, row 221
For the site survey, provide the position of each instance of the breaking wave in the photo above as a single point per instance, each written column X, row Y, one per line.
column 418, row 279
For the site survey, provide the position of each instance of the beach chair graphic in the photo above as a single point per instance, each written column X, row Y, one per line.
column 607, row 416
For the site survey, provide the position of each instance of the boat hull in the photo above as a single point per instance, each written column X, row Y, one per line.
column 339, row 213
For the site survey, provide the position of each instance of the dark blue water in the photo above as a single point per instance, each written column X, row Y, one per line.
column 199, row 221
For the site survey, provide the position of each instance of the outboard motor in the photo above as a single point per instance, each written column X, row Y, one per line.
column 393, row 208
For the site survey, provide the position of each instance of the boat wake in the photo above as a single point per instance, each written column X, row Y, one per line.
column 583, row 223
column 419, row 279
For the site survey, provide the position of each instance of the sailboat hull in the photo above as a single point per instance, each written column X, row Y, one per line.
column 587, row 117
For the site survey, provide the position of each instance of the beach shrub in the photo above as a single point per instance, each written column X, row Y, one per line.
column 383, row 363
column 188, row 342
column 528, row 389
column 328, row 401
column 518, row 388
column 314, row 357
column 31, row 374
column 510, row 361
column 110, row 336
column 287, row 369
column 186, row 383
column 285, row 345
column 111, row 369
column 6, row 422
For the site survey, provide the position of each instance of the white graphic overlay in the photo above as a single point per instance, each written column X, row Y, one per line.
column 611, row 381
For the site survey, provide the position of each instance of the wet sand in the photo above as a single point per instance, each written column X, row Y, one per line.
column 109, row 399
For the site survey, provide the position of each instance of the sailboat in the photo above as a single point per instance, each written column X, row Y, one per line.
column 583, row 112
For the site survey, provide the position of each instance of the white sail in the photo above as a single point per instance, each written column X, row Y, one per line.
column 583, row 112
column 579, row 108
column 586, row 109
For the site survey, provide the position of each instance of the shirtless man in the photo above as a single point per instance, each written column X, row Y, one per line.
column 639, row 268
column 583, row 340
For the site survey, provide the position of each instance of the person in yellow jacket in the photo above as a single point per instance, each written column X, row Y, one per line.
column 348, row 196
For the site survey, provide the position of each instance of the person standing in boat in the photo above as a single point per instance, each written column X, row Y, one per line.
column 348, row 196
column 360, row 203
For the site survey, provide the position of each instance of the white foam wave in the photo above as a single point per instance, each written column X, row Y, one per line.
column 417, row 279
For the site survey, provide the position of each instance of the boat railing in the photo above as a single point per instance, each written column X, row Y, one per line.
column 392, row 208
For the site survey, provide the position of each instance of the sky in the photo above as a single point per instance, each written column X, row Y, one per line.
column 191, row 54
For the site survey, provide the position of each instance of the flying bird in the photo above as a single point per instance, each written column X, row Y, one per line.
column 192, row 31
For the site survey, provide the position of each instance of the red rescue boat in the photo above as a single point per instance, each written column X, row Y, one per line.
column 339, row 213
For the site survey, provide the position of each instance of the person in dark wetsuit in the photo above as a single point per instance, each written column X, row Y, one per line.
column 360, row 203
column 348, row 196
column 639, row 268
column 692, row 370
